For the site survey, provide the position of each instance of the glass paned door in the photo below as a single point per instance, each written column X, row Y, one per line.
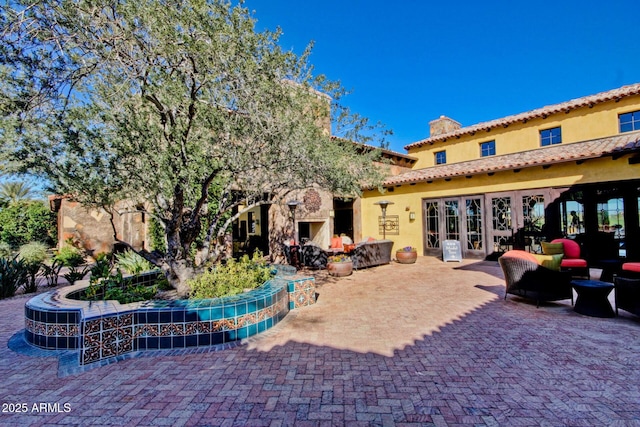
column 459, row 219
column 432, row 226
column 611, row 222
column 452, row 220
column 474, row 228
column 501, row 224
column 533, row 215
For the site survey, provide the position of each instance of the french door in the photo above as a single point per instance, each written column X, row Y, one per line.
column 458, row 218
column 517, row 220
column 484, row 224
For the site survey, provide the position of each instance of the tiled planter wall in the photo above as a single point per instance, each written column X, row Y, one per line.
column 105, row 329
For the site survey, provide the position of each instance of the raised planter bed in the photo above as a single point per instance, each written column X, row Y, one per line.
column 100, row 330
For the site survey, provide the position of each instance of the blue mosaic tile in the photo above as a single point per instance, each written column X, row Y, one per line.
column 164, row 316
column 110, row 331
column 191, row 341
column 204, row 340
column 177, row 315
column 177, row 342
column 229, row 310
column 241, row 308
column 217, row 313
column 220, row 338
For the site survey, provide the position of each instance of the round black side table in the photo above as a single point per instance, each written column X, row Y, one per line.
column 592, row 298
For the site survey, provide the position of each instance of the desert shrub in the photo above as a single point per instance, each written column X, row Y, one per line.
column 231, row 278
column 70, row 256
column 73, row 258
column 12, row 274
column 27, row 221
column 132, row 263
column 5, row 250
column 33, row 255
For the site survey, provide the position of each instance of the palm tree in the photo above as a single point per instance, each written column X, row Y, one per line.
column 14, row 191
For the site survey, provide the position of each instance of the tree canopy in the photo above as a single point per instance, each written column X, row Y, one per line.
column 181, row 104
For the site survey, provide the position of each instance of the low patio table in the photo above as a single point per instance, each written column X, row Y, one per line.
column 593, row 298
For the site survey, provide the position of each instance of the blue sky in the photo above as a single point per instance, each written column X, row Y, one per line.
column 410, row 62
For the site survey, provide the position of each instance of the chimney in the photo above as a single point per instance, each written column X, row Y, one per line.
column 443, row 125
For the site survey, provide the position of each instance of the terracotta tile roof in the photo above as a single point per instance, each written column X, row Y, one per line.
column 619, row 144
column 543, row 112
column 385, row 152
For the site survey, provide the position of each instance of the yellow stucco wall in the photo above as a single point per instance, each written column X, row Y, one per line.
column 408, row 198
column 578, row 125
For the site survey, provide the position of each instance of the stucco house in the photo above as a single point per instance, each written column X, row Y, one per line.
column 570, row 169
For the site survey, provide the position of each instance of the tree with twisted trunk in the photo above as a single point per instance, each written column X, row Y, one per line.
column 179, row 104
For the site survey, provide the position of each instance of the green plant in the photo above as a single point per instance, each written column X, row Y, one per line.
column 52, row 272
column 132, row 263
column 27, row 221
column 156, row 235
column 75, row 273
column 70, row 256
column 33, row 255
column 5, row 250
column 12, row 274
column 116, row 287
column 102, row 267
column 231, row 278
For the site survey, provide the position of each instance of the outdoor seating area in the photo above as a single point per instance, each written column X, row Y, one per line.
column 542, row 278
column 367, row 253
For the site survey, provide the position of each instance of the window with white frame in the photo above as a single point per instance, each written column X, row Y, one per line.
column 441, row 157
column 629, row 121
column 550, row 137
column 488, row 149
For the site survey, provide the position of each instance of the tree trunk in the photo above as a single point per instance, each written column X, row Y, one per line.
column 178, row 272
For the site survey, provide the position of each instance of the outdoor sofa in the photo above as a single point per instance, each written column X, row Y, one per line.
column 371, row 253
column 364, row 254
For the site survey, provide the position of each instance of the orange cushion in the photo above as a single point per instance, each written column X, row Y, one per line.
column 522, row 255
column 573, row 263
column 371, row 239
column 336, row 242
column 631, row 266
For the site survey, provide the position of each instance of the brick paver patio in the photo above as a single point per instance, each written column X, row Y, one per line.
column 405, row 345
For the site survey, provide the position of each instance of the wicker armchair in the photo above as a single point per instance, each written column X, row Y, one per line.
column 526, row 278
column 627, row 294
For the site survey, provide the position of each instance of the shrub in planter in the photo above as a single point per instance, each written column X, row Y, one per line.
column 407, row 255
column 5, row 250
column 132, row 263
column 339, row 265
column 231, row 278
column 116, row 287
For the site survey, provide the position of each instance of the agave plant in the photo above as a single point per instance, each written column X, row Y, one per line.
column 132, row 263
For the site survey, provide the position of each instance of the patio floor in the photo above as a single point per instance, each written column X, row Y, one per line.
column 430, row 343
